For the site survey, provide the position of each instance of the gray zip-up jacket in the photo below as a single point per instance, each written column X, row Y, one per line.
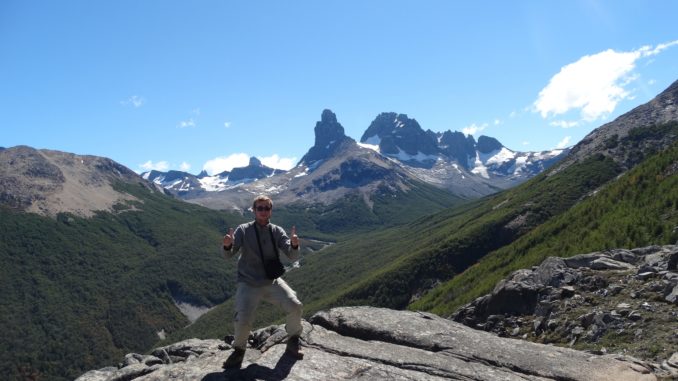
column 250, row 267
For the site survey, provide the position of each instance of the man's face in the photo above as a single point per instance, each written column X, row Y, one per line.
column 262, row 211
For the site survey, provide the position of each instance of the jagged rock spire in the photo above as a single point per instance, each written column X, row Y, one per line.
column 329, row 133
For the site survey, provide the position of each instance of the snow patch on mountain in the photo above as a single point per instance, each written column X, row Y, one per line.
column 372, row 140
column 498, row 156
column 479, row 167
column 373, row 147
column 420, row 157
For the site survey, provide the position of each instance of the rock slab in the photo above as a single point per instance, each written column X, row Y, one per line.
column 367, row 343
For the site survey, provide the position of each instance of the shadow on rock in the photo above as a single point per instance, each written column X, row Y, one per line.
column 256, row 372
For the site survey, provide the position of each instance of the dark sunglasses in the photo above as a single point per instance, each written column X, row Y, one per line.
column 263, row 208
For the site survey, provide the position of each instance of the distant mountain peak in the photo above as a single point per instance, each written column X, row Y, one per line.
column 254, row 162
column 329, row 133
column 328, row 129
column 328, row 117
column 397, row 134
column 487, row 144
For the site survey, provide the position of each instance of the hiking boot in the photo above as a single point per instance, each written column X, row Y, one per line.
column 234, row 361
column 294, row 348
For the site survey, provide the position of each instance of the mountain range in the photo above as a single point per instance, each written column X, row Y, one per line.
column 96, row 261
column 393, row 152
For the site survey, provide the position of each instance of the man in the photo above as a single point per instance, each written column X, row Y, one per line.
column 255, row 240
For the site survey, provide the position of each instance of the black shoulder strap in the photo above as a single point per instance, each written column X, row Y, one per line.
column 275, row 247
column 275, row 244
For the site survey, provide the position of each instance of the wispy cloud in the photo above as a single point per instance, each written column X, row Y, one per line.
column 473, row 129
column 563, row 143
column 227, row 124
column 564, row 123
column 185, row 166
column 135, row 100
column 275, row 161
column 594, row 84
column 161, row 166
column 190, row 122
column 226, row 163
column 186, row 123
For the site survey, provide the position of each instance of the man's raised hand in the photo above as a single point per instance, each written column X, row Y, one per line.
column 228, row 239
column 294, row 239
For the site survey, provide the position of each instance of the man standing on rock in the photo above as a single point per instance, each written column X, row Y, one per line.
column 259, row 241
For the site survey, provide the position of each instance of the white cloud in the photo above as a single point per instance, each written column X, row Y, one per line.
column 185, row 166
column 227, row 124
column 648, row 51
column 497, row 122
column 473, row 129
column 526, row 143
column 186, row 123
column 563, row 143
column 161, row 166
column 134, row 100
column 226, row 163
column 594, row 84
column 276, row 161
column 564, row 123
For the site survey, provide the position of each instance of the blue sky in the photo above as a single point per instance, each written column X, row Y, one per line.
column 206, row 84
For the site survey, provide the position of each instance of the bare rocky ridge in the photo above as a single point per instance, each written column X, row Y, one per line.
column 617, row 301
column 368, row 343
column 50, row 182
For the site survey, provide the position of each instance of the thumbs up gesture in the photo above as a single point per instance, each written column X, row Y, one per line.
column 228, row 239
column 294, row 238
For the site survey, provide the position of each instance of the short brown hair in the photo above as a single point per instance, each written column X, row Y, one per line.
column 262, row 198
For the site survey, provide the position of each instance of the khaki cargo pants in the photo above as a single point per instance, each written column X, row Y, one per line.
column 247, row 299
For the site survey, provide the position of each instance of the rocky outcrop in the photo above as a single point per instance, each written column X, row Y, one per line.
column 375, row 344
column 329, row 136
column 617, row 301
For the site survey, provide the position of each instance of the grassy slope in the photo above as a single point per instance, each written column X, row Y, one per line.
column 638, row 209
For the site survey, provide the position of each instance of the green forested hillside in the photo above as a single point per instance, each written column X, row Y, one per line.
column 79, row 293
column 386, row 267
column 446, row 244
column 638, row 209
column 394, row 267
column 351, row 214
column 357, row 232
